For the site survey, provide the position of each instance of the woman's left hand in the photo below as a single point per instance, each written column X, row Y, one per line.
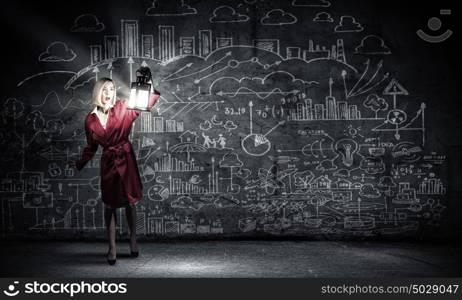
column 153, row 84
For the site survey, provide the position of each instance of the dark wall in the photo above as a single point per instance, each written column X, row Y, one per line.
column 301, row 118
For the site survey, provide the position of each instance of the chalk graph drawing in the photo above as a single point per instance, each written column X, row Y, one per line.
column 257, row 144
column 397, row 121
column 252, row 133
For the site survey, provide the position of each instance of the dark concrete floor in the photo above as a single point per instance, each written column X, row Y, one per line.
column 233, row 259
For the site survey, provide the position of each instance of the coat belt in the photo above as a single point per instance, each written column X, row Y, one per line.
column 119, row 150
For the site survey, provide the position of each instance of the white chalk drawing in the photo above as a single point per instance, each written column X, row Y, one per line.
column 188, row 144
column 57, row 52
column 270, row 180
column 222, row 42
column 215, row 143
column 53, row 106
column 396, row 122
column 347, row 148
column 375, row 103
column 257, row 144
column 42, row 74
column 229, row 125
column 323, row 17
column 227, row 14
column 311, row 3
column 348, row 24
column 170, row 8
column 353, row 131
column 167, row 40
column 87, row 23
column 178, row 186
column 368, row 80
column 271, row 45
column 150, row 124
column 406, row 151
column 332, row 110
column 320, row 145
column 231, row 161
column 158, row 193
column 372, row 45
column 168, row 163
column 278, row 17
column 255, row 85
column 394, row 88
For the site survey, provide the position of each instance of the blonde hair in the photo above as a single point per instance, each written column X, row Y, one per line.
column 98, row 89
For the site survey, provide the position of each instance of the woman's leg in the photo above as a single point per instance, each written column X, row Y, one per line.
column 130, row 212
column 110, row 218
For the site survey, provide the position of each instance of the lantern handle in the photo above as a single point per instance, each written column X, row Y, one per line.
column 143, row 74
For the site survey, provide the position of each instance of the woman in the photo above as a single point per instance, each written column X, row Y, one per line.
column 109, row 125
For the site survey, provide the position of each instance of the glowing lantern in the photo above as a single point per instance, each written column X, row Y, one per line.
column 140, row 90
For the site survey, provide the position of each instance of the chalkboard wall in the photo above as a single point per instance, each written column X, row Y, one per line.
column 304, row 118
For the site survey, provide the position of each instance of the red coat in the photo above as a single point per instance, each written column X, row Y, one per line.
column 120, row 177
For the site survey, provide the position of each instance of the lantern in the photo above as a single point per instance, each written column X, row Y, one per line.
column 140, row 90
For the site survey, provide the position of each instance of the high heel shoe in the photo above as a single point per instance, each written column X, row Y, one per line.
column 133, row 253
column 111, row 261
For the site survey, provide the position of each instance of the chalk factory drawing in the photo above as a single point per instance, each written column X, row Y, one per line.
column 252, row 134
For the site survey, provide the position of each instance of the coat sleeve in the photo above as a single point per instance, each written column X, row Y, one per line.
column 89, row 150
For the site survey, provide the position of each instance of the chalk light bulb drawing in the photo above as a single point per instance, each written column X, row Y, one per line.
column 140, row 89
column 347, row 148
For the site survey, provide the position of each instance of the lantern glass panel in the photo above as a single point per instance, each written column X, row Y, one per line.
column 132, row 100
column 139, row 96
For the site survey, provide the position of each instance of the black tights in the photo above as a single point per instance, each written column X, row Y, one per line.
column 110, row 220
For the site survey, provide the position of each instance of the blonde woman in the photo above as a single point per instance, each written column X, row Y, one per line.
column 108, row 126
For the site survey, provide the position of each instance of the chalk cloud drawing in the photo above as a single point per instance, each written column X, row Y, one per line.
column 87, row 23
column 227, row 14
column 373, row 45
column 278, row 17
column 323, row 17
column 348, row 24
column 170, row 8
column 311, row 3
column 56, row 52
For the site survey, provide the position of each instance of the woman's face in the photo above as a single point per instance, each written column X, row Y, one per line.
column 108, row 92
